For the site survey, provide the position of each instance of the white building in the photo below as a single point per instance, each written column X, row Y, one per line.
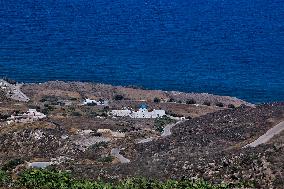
column 141, row 113
column 30, row 116
column 34, row 114
column 100, row 102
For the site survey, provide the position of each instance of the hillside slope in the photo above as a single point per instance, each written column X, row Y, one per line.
column 211, row 147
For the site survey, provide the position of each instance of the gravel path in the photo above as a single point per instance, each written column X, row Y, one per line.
column 40, row 165
column 165, row 133
column 89, row 141
column 167, row 129
column 15, row 91
column 19, row 95
column 115, row 152
column 268, row 135
column 141, row 141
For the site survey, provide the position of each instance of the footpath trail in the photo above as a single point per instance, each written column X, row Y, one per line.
column 268, row 135
column 19, row 95
column 115, row 152
column 166, row 132
column 167, row 129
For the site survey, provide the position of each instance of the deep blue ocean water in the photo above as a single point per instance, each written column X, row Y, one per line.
column 223, row 47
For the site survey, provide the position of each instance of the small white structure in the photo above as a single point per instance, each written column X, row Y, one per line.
column 112, row 133
column 30, row 116
column 34, row 114
column 141, row 113
column 121, row 113
column 99, row 102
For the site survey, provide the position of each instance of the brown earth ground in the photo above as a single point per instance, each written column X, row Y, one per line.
column 207, row 146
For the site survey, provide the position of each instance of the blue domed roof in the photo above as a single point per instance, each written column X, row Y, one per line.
column 143, row 106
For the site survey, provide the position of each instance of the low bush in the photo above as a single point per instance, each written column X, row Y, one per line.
column 191, row 101
column 77, row 114
column 231, row 106
column 92, row 104
column 53, row 179
column 188, row 117
column 100, row 144
column 118, row 97
column 5, row 179
column 12, row 164
column 43, row 178
column 11, row 81
column 157, row 100
column 171, row 100
column 160, row 123
column 207, row 103
column 4, row 116
column 136, row 87
column 219, row 104
column 106, row 159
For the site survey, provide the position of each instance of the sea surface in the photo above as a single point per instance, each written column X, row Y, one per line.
column 223, row 47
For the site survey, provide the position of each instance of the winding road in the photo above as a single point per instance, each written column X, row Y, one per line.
column 166, row 132
column 167, row 129
column 268, row 135
column 115, row 153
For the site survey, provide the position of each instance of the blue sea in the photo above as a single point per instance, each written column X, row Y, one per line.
column 223, row 47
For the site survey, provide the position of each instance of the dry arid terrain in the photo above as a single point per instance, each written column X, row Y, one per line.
column 202, row 136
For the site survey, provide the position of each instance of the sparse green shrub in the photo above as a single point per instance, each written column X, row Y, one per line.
column 106, row 108
column 5, row 179
column 231, row 106
column 171, row 100
column 104, row 114
column 12, row 164
column 136, row 87
column 219, row 104
column 93, row 114
column 207, row 103
column 191, row 101
column 160, row 123
column 77, row 114
column 118, row 97
column 53, row 100
column 47, row 109
column 175, row 114
column 52, row 179
column 34, row 107
column 157, row 100
column 44, row 178
column 106, row 159
column 4, row 116
column 99, row 145
column 92, row 104
column 188, row 117
column 11, row 81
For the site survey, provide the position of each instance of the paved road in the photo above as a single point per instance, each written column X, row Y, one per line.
column 115, row 152
column 165, row 133
column 19, row 95
column 16, row 93
column 167, row 129
column 141, row 141
column 41, row 165
column 268, row 135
